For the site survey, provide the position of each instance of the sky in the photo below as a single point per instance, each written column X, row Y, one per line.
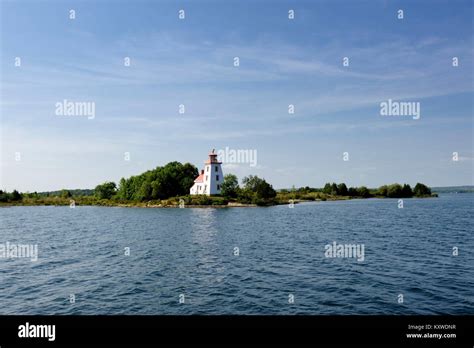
column 137, row 124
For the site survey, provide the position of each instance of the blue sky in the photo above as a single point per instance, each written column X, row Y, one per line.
column 282, row 62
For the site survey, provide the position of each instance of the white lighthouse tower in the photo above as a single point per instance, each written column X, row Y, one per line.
column 210, row 180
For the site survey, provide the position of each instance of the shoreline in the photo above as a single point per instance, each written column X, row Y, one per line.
column 177, row 206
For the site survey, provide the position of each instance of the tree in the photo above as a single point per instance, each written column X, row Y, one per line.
column 421, row 190
column 105, row 190
column 230, row 186
column 363, row 192
column 65, row 194
column 382, row 191
column 394, row 191
column 352, row 192
column 260, row 188
column 3, row 196
column 342, row 189
column 123, row 191
column 327, row 189
column 144, row 193
column 16, row 196
column 334, row 190
column 157, row 189
column 407, row 191
column 174, row 179
column 188, row 174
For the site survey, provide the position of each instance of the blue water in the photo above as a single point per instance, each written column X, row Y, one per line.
column 191, row 251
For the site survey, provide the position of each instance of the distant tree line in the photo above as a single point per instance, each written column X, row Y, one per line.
column 14, row 196
column 405, row 191
column 175, row 180
column 389, row 191
column 60, row 193
column 342, row 190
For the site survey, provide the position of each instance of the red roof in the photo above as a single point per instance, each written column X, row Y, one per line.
column 200, row 178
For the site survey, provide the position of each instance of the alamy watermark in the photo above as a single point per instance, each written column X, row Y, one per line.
column 12, row 251
column 397, row 108
column 37, row 331
column 228, row 155
column 336, row 250
column 70, row 108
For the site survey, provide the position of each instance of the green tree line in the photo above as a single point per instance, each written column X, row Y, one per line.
column 389, row 191
column 175, row 179
column 14, row 196
column 171, row 180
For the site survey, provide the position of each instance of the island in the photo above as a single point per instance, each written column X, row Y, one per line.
column 169, row 186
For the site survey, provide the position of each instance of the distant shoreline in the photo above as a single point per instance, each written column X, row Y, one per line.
column 176, row 204
column 256, row 192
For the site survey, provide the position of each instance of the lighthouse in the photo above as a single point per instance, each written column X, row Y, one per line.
column 210, row 179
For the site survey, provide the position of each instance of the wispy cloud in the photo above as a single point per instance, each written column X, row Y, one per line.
column 191, row 63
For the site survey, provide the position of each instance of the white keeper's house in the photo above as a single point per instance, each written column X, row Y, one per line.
column 211, row 178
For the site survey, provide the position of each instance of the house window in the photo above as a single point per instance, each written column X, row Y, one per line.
column 207, row 168
column 217, row 169
column 206, row 177
column 217, row 177
column 218, row 187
